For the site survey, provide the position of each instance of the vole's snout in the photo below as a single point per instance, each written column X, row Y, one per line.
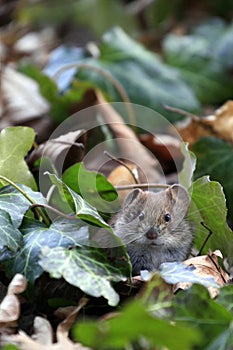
column 152, row 233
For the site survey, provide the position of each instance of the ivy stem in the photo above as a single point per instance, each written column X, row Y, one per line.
column 60, row 213
column 19, row 189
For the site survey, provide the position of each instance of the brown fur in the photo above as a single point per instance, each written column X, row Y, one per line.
column 173, row 239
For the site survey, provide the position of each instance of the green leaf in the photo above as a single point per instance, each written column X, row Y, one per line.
column 203, row 64
column 131, row 325
column 78, row 205
column 209, row 206
column 195, row 308
column 93, row 186
column 10, row 237
column 15, row 143
column 146, row 79
column 59, row 103
column 215, row 158
column 85, row 268
column 62, row 233
column 223, row 342
column 16, row 204
column 189, row 165
column 225, row 297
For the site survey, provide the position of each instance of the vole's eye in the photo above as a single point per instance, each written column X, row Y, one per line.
column 141, row 216
column 167, row 217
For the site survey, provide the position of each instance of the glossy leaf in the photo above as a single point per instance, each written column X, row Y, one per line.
column 16, row 204
column 78, row 205
column 209, row 206
column 215, row 158
column 61, row 233
column 10, row 237
column 93, row 186
column 85, row 268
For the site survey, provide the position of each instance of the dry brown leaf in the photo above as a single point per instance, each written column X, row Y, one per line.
column 222, row 121
column 122, row 176
column 9, row 309
column 24, row 342
column 166, row 148
column 10, row 305
column 62, row 151
column 22, row 98
column 130, row 147
column 43, row 332
column 219, row 125
column 17, row 285
column 42, row 337
column 207, row 266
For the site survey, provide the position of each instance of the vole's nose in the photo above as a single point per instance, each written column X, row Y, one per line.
column 152, row 233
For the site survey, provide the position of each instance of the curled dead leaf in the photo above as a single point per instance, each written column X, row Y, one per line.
column 9, row 309
column 62, row 151
column 220, row 125
column 21, row 97
column 17, row 285
column 207, row 266
column 42, row 339
column 10, row 306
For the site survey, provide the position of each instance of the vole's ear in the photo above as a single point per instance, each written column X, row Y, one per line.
column 132, row 196
column 177, row 194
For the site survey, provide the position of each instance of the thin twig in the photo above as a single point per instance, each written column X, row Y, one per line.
column 60, row 213
column 110, row 78
column 112, row 157
column 207, row 238
column 180, row 111
column 76, row 144
column 132, row 186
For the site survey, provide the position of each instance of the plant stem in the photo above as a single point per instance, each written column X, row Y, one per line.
column 110, row 78
column 19, row 189
column 123, row 164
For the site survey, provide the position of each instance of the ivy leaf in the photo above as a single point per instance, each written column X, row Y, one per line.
column 16, row 204
column 209, row 206
column 15, row 143
column 205, row 61
column 85, row 268
column 10, row 237
column 61, row 233
column 225, row 297
column 130, row 326
column 147, row 80
column 96, row 188
column 215, row 158
column 78, row 205
column 211, row 318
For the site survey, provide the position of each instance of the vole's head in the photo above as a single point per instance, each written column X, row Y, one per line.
column 154, row 218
